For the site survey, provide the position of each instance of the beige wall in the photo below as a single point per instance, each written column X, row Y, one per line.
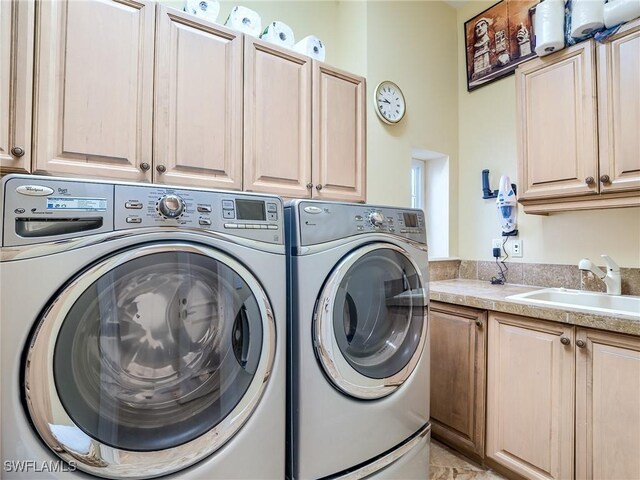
column 414, row 45
column 488, row 140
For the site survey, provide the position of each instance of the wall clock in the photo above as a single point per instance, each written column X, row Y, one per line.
column 389, row 102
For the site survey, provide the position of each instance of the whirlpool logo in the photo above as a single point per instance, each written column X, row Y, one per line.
column 33, row 466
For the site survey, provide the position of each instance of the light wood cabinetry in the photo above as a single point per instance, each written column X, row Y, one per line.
column 304, row 126
column 93, row 89
column 277, row 120
column 530, row 396
column 619, row 110
column 198, row 102
column 607, row 405
column 16, row 78
column 458, row 377
column 339, row 124
column 578, row 118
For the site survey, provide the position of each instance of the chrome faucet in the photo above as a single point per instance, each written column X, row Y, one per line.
column 611, row 278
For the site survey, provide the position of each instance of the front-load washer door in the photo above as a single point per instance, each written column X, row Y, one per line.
column 370, row 324
column 150, row 360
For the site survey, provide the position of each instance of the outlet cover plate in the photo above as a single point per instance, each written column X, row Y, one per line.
column 516, row 248
column 496, row 243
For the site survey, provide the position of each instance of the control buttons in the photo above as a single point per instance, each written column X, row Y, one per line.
column 250, row 226
column 133, row 205
column 204, row 221
column 204, row 208
column 228, row 205
column 134, row 220
column 171, row 206
column 228, row 214
column 272, row 217
column 376, row 219
column 272, row 207
column 359, row 218
column 19, row 211
column 360, row 228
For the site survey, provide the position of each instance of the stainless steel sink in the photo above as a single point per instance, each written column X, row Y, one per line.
column 579, row 300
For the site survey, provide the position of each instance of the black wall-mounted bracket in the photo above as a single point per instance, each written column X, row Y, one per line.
column 487, row 193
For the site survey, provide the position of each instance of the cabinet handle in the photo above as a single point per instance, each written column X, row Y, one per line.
column 144, row 166
column 581, row 343
column 309, row 185
column 319, row 187
column 565, row 340
column 478, row 323
column 17, row 151
column 605, row 179
column 161, row 168
column 589, row 180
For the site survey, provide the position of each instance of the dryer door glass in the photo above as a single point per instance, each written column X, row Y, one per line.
column 371, row 322
column 158, row 350
column 377, row 315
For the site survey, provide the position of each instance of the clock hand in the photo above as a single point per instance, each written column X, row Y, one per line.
column 385, row 100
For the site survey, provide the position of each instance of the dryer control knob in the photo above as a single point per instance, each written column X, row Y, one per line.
column 171, row 206
column 376, row 218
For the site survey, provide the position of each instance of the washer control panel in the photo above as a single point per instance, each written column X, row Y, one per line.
column 322, row 222
column 39, row 209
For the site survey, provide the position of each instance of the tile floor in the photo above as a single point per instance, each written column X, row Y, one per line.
column 446, row 464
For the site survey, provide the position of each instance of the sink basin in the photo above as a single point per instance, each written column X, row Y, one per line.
column 580, row 300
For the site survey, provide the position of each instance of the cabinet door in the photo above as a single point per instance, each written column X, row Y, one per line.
column 458, row 381
column 277, row 120
column 530, row 396
column 557, row 138
column 198, row 102
column 607, row 405
column 94, row 88
column 16, row 83
column 619, row 110
column 339, row 134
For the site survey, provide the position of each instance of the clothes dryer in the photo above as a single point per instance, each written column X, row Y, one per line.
column 358, row 358
column 143, row 331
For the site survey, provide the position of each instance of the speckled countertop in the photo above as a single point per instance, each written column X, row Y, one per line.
column 483, row 295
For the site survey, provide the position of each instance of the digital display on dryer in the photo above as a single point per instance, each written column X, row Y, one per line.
column 250, row 210
column 410, row 220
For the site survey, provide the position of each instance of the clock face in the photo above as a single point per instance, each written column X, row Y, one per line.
column 389, row 101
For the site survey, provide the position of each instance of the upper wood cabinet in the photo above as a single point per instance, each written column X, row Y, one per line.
column 198, row 102
column 619, row 110
column 530, row 396
column 578, row 118
column 607, row 405
column 558, row 147
column 16, row 81
column 304, row 126
column 277, row 120
column 93, row 89
column 458, row 376
column 339, row 131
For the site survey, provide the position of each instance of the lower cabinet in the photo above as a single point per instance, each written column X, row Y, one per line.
column 562, row 402
column 607, row 405
column 458, row 364
column 530, row 396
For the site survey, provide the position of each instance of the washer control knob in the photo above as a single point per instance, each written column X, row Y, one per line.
column 376, row 218
column 171, row 206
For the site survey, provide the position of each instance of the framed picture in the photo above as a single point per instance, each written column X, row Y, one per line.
column 497, row 40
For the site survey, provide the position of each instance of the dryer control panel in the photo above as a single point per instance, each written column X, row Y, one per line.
column 38, row 209
column 321, row 222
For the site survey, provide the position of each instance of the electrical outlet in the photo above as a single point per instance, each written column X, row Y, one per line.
column 516, row 248
column 496, row 243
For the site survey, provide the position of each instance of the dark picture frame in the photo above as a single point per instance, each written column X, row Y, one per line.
column 497, row 40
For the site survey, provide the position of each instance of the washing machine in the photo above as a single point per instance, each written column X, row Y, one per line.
column 142, row 331
column 358, row 363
